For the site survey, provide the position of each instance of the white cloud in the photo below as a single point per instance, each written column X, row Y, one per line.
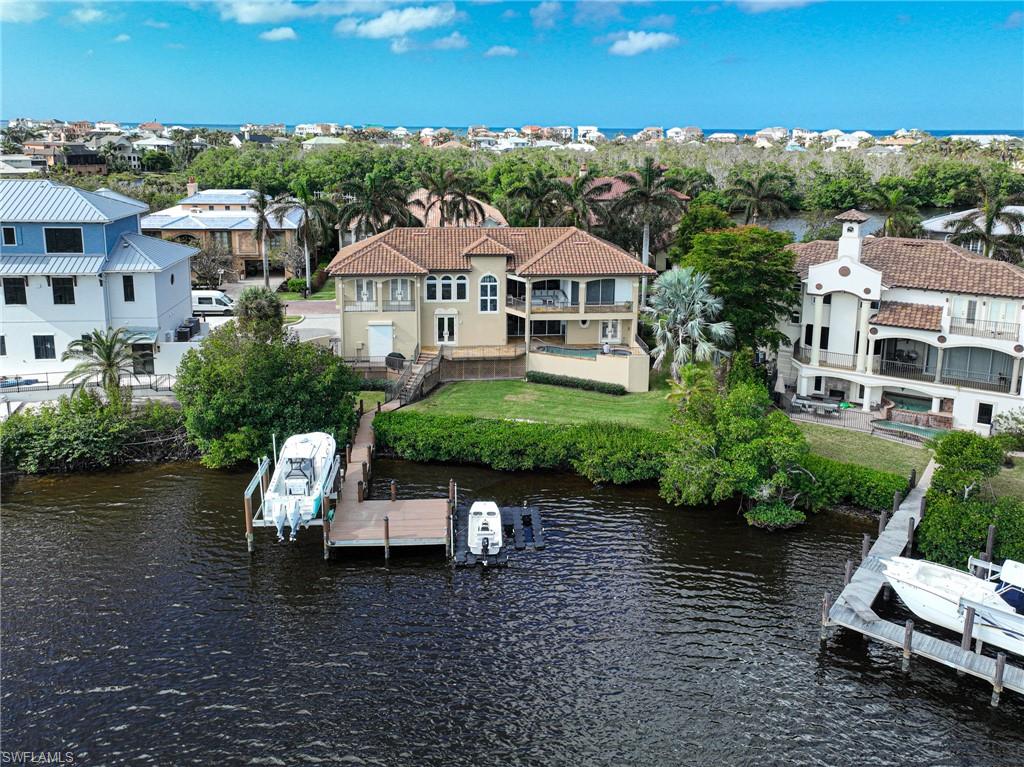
column 86, row 14
column 122, row 38
column 276, row 11
column 546, row 15
column 1014, row 21
column 763, row 6
column 454, row 41
column 596, row 12
column 396, row 23
column 501, row 50
column 632, row 43
column 156, row 24
column 20, row 11
column 279, row 34
column 659, row 21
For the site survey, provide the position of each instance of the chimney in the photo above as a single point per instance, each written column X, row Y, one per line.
column 584, row 169
column 851, row 239
column 191, row 187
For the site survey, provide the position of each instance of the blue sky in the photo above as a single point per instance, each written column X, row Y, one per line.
column 732, row 63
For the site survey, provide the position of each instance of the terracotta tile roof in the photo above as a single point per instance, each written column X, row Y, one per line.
column 923, row 264
column 487, row 246
column 904, row 315
column 532, row 251
column 433, row 216
column 853, row 215
column 377, row 258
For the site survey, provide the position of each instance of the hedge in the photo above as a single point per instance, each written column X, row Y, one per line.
column 575, row 383
column 826, row 483
column 774, row 515
column 600, row 452
column 953, row 530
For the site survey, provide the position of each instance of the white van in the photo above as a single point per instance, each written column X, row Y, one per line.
column 211, row 302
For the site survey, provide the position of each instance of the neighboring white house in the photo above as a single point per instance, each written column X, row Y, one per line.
column 154, row 143
column 941, row 227
column 723, row 138
column 73, row 261
column 20, row 165
column 588, row 133
column 931, row 329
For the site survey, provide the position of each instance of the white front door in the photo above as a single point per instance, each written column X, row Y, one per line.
column 380, row 340
column 444, row 328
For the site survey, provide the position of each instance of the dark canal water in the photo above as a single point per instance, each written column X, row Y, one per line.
column 136, row 631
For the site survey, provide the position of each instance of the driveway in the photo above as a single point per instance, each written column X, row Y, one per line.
column 312, row 308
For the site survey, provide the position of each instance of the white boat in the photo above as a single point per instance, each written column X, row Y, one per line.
column 941, row 595
column 484, row 531
column 304, row 475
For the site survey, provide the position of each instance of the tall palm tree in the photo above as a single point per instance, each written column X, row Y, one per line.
column 758, row 196
column 684, row 316
column 318, row 214
column 106, row 355
column 650, row 197
column 583, row 197
column 543, row 195
column 374, row 203
column 981, row 225
column 900, row 210
column 260, row 204
column 260, row 314
column 451, row 193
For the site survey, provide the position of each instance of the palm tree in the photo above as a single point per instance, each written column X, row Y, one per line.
column 900, row 210
column 583, row 198
column 105, row 355
column 318, row 214
column 980, row 226
column 693, row 379
column 650, row 197
column 684, row 316
column 374, row 203
column 260, row 204
column 450, row 192
column 260, row 313
column 543, row 195
column 759, row 196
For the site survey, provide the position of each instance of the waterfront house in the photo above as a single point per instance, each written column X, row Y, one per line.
column 224, row 217
column 532, row 298
column 73, row 261
column 941, row 227
column 922, row 325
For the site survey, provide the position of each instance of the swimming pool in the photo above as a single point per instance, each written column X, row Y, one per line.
column 583, row 353
column 921, row 431
column 903, row 402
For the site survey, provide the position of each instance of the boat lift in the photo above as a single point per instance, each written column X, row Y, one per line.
column 521, row 527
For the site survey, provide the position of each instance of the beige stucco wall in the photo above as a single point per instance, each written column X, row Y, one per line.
column 631, row 372
column 355, row 336
column 472, row 327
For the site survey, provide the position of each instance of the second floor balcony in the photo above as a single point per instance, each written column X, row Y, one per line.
column 556, row 305
column 968, row 326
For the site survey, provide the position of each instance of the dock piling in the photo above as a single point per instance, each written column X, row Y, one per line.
column 387, row 539
column 965, row 640
column 361, row 408
column 249, row 540
column 920, row 512
column 359, row 492
column 394, row 491
column 997, row 680
column 826, row 604
column 990, row 543
column 348, row 452
column 910, row 536
column 908, row 638
column 366, row 473
column 865, row 546
column 913, row 478
column 451, row 490
column 848, row 575
column 378, row 406
column 883, row 520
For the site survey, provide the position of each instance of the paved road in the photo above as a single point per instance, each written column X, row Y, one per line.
column 311, row 308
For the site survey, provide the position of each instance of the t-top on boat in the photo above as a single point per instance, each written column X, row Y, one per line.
column 305, row 473
column 941, row 595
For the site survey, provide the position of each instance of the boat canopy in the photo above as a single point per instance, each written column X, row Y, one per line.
column 1013, row 573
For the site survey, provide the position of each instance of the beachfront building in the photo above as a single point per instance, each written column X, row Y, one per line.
column 74, row 261
column 723, row 138
column 224, row 217
column 930, row 332
column 538, row 298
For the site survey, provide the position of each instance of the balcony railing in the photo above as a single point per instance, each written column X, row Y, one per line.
column 615, row 306
column 515, row 303
column 998, row 382
column 360, row 306
column 1008, row 331
column 909, row 370
column 826, row 358
column 543, row 305
column 398, row 306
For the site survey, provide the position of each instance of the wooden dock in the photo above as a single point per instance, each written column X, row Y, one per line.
column 853, row 608
column 360, row 522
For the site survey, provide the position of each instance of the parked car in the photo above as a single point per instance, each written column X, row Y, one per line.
column 211, row 302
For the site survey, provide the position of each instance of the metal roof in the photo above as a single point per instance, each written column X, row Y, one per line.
column 24, row 265
column 46, row 202
column 122, row 198
column 220, row 197
column 139, row 253
column 944, row 224
column 172, row 219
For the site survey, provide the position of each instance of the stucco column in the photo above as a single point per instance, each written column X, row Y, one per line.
column 862, row 344
column 936, row 404
column 529, row 302
column 869, row 392
column 379, row 295
column 819, row 313
column 938, row 365
column 339, row 300
column 1015, row 376
column 417, row 300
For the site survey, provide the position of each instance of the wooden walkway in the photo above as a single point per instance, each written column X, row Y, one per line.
column 375, row 523
column 853, row 608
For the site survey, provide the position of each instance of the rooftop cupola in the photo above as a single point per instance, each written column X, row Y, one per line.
column 851, row 240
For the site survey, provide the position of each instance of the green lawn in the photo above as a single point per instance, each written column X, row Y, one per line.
column 861, row 448
column 326, row 293
column 1010, row 481
column 370, row 398
column 552, row 404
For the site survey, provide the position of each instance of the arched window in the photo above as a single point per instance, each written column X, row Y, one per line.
column 431, row 288
column 446, row 288
column 488, row 294
column 462, row 288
